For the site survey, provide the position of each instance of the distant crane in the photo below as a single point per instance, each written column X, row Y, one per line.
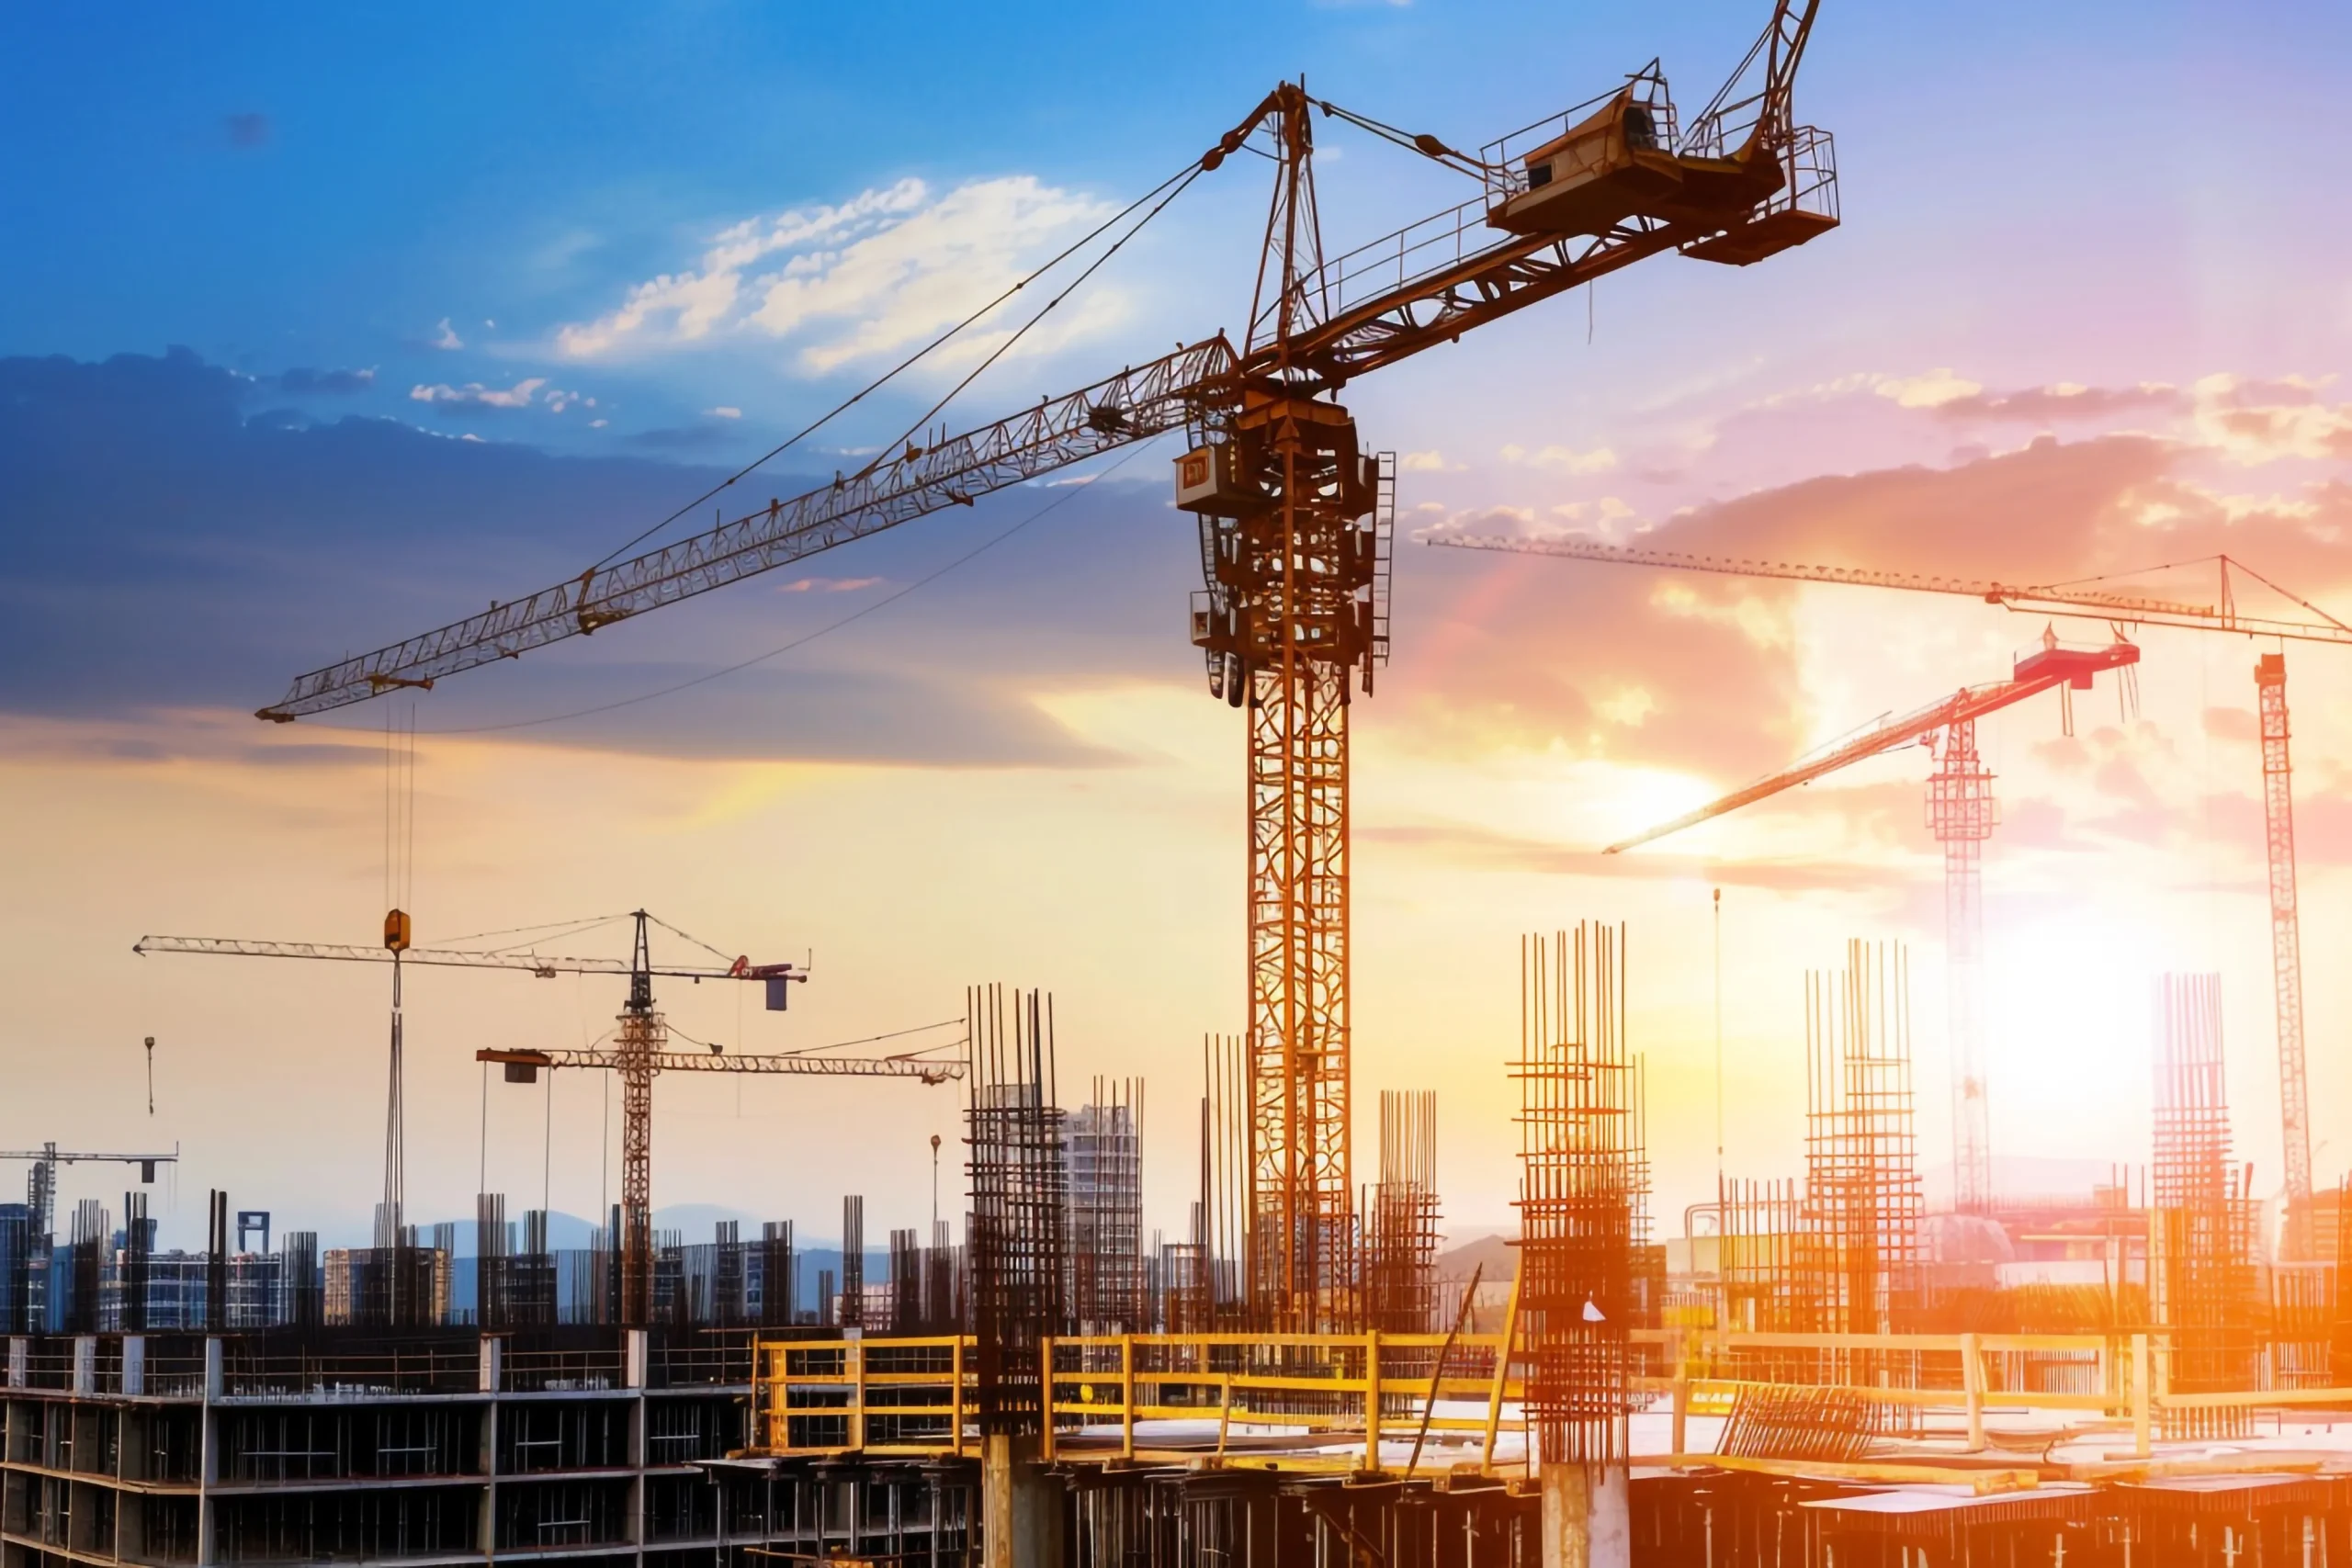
column 1961, row 812
column 1295, row 518
column 41, row 1199
column 2119, row 609
column 639, row 1049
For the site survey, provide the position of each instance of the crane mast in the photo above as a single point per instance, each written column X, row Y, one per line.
column 2286, row 953
column 1290, row 512
column 1961, row 813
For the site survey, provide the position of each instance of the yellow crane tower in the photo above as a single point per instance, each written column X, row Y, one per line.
column 1295, row 518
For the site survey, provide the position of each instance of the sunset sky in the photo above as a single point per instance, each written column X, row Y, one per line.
column 326, row 328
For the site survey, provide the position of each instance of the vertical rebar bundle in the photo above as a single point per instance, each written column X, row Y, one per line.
column 2200, row 1220
column 490, row 1239
column 777, row 1267
column 1400, row 1257
column 1859, row 1256
column 1578, row 1202
column 136, row 1233
column 1105, row 1163
column 1020, row 1189
column 1759, row 1230
column 852, row 1262
column 1222, row 1219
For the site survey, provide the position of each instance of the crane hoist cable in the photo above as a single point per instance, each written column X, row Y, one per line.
column 906, row 436
column 1184, row 175
column 1061, row 498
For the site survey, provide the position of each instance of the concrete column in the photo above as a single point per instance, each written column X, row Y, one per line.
column 1586, row 1523
column 1020, row 1507
column 86, row 1364
column 492, row 1360
column 19, row 1360
column 134, row 1364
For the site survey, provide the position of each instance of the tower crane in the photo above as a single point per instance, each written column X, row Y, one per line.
column 1961, row 813
column 1294, row 519
column 640, row 1048
column 2220, row 614
column 40, row 1194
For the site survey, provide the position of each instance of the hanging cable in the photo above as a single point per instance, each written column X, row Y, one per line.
column 806, row 638
column 1184, row 175
column 1093, row 267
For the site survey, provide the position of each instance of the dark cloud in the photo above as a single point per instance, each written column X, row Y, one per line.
column 246, row 131
column 303, row 381
column 681, row 438
column 170, row 550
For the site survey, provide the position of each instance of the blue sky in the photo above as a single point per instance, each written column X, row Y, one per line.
column 281, row 187
column 2087, row 310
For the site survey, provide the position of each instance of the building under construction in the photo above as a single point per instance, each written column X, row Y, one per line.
column 1840, row 1377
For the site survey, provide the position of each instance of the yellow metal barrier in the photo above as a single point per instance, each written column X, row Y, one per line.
column 918, row 1396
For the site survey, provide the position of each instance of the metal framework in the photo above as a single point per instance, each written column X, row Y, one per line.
column 1106, row 1240
column 2285, row 952
column 1400, row 1253
column 1961, row 813
column 1580, row 1201
column 1858, row 1254
column 1294, row 554
column 639, row 1052
column 1020, row 1183
column 2201, row 1279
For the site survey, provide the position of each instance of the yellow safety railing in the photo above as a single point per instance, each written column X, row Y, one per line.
column 919, row 1396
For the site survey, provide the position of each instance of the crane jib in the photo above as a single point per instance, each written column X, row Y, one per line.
column 1131, row 406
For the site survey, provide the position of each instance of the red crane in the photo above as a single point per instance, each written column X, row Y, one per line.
column 1962, row 814
column 2118, row 608
column 1295, row 520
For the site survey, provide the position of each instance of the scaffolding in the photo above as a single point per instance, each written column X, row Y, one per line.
column 1580, row 1207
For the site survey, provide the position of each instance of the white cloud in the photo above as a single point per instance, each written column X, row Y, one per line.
column 1599, row 460
column 445, row 337
column 1933, row 389
column 873, row 275
column 827, row 584
column 473, row 393
column 560, row 401
column 1427, row 463
column 722, row 411
column 598, row 423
